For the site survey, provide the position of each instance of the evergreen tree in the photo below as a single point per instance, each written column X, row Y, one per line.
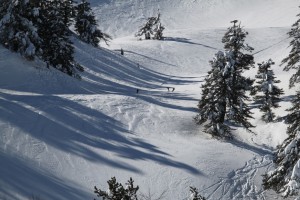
column 86, row 25
column 270, row 92
column 212, row 106
column 285, row 178
column 18, row 31
column 57, row 47
column 293, row 59
column 152, row 29
column 195, row 194
column 39, row 28
column 158, row 29
column 116, row 191
column 223, row 93
column 238, row 110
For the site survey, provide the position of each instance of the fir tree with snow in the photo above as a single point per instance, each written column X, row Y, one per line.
column 158, row 29
column 269, row 93
column 285, row 178
column 18, row 28
column 292, row 61
column 224, row 91
column 239, row 62
column 57, row 47
column 86, row 25
column 195, row 194
column 116, row 191
column 152, row 29
column 212, row 105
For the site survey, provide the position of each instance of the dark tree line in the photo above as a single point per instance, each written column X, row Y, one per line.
column 116, row 191
column 41, row 29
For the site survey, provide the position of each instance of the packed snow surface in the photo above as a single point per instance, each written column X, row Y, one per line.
column 60, row 137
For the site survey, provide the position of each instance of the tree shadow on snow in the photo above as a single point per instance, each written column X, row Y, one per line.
column 78, row 130
column 81, row 131
column 19, row 177
column 187, row 41
column 150, row 58
column 258, row 150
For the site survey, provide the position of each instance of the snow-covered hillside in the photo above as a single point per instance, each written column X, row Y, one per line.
column 60, row 137
column 122, row 18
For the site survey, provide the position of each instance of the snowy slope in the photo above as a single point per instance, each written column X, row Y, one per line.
column 122, row 18
column 60, row 137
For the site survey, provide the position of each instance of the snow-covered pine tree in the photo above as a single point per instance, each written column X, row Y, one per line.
column 224, row 92
column 212, row 105
column 238, row 110
column 285, row 178
column 293, row 59
column 18, row 28
column 152, row 29
column 86, row 25
column 57, row 47
column 158, row 29
column 195, row 194
column 116, row 191
column 270, row 92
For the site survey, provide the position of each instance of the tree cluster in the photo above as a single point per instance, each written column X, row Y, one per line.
column 224, row 100
column 41, row 29
column 285, row 178
column 116, row 191
column 152, row 29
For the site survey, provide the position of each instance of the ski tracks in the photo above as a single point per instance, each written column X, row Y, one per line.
column 138, row 115
column 244, row 183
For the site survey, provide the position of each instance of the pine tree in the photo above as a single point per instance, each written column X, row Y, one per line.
column 18, row 30
column 293, row 59
column 116, row 191
column 39, row 28
column 152, row 29
column 224, row 91
column 57, row 47
column 238, row 110
column 212, row 106
column 270, row 92
column 158, row 29
column 86, row 25
column 195, row 194
column 285, row 178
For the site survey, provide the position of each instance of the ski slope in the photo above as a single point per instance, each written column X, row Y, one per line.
column 60, row 137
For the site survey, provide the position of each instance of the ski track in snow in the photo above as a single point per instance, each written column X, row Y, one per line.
column 241, row 183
